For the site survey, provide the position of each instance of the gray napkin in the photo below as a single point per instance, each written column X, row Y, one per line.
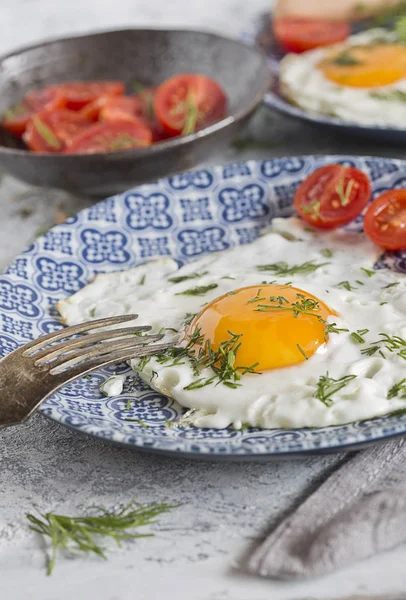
column 358, row 511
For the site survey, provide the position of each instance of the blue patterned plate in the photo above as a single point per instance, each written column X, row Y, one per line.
column 260, row 34
column 185, row 217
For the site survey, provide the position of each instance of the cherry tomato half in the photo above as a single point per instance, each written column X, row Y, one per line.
column 79, row 93
column 50, row 131
column 186, row 103
column 16, row 118
column 111, row 137
column 122, row 108
column 385, row 220
column 295, row 34
column 140, row 106
column 332, row 196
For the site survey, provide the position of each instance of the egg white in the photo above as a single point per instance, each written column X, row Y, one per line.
column 279, row 398
column 303, row 84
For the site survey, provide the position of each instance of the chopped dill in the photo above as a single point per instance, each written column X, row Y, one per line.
column 181, row 278
column 368, row 272
column 390, row 285
column 391, row 343
column 282, row 268
column 326, row 252
column 139, row 421
column 299, row 347
column 142, row 280
column 357, row 336
column 327, row 386
column 200, row 290
column 346, row 285
column 398, row 388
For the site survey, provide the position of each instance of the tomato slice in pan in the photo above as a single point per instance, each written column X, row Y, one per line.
column 295, row 34
column 122, row 108
column 111, row 137
column 50, row 131
column 385, row 220
column 16, row 118
column 186, row 103
column 79, row 93
column 332, row 196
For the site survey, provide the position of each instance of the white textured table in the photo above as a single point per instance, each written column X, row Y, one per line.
column 198, row 549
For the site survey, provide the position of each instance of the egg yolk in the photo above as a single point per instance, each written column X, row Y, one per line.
column 365, row 66
column 280, row 325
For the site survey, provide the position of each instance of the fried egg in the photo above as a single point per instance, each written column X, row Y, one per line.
column 362, row 80
column 296, row 329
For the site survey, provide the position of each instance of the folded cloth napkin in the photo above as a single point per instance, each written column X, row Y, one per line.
column 358, row 511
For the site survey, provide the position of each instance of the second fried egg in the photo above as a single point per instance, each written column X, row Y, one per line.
column 362, row 80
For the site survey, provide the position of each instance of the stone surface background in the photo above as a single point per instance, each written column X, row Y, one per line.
column 198, row 551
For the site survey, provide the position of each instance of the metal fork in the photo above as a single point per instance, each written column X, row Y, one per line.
column 32, row 372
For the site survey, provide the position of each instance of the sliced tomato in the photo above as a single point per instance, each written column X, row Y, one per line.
column 51, row 131
column 189, row 102
column 79, row 93
column 111, row 137
column 49, row 97
column 140, row 106
column 332, row 196
column 295, row 34
column 122, row 107
column 16, row 118
column 385, row 220
column 91, row 111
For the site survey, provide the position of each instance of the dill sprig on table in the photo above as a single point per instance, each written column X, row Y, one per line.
column 82, row 533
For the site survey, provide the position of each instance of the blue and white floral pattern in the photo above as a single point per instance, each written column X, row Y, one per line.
column 185, row 216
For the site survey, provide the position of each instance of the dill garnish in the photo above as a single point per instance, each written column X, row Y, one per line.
column 327, row 386
column 299, row 347
column 399, row 387
column 392, row 96
column 188, row 318
column 395, row 283
column 256, row 298
column 142, row 280
column 282, row 268
column 314, row 208
column 181, row 278
column 228, row 277
column 344, row 194
column 332, row 328
column 326, row 252
column 367, row 272
column 82, row 532
column 200, row 290
column 357, row 335
column 46, row 133
column 303, row 305
column 128, row 405
column 139, row 421
column 192, row 114
column 346, row 285
column 345, row 59
column 391, row 343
